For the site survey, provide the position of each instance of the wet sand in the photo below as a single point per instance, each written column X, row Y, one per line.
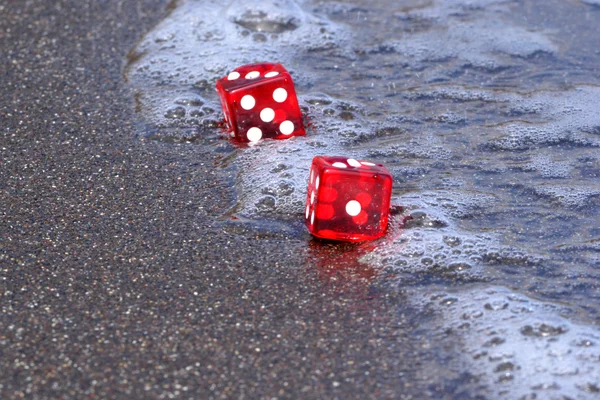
column 116, row 280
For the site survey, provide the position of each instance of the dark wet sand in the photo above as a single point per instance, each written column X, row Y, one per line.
column 116, row 278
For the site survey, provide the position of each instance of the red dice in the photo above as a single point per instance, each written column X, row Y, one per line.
column 347, row 199
column 259, row 101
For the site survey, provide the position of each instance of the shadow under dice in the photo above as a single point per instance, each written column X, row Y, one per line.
column 347, row 199
column 259, row 101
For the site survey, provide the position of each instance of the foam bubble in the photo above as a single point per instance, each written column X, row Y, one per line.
column 479, row 43
column 201, row 41
column 266, row 16
column 568, row 196
column 549, row 168
column 571, row 119
column 518, row 347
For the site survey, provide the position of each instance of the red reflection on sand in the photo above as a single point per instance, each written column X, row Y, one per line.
column 341, row 264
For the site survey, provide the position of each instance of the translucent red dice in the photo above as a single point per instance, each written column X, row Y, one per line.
column 259, row 101
column 347, row 199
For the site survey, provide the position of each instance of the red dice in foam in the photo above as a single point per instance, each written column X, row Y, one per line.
column 259, row 101
column 348, row 199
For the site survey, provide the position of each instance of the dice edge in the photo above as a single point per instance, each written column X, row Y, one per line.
column 387, row 202
column 230, row 119
column 342, row 237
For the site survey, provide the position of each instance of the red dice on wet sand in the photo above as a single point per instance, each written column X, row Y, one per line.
column 347, row 199
column 259, row 101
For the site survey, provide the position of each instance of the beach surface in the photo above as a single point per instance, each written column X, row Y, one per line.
column 143, row 255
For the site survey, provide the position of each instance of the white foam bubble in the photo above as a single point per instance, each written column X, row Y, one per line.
column 202, row 41
column 568, row 196
column 549, row 168
column 571, row 118
column 518, row 347
column 486, row 42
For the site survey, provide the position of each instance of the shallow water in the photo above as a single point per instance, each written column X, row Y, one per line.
column 485, row 112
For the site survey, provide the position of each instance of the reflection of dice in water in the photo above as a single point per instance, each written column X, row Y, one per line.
column 259, row 101
column 347, row 199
